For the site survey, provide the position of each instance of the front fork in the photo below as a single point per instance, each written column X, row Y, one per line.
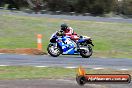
column 54, row 45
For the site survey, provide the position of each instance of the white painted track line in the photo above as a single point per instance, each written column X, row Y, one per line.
column 124, row 69
column 70, row 67
column 41, row 66
column 98, row 68
column 4, row 65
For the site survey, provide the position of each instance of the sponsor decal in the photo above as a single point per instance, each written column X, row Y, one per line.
column 83, row 78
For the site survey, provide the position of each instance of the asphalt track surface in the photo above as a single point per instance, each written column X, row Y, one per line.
column 54, row 83
column 64, row 61
column 69, row 17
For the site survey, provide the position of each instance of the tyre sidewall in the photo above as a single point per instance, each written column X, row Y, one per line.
column 90, row 51
column 54, row 55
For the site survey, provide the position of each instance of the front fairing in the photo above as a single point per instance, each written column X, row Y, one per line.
column 66, row 45
column 64, row 42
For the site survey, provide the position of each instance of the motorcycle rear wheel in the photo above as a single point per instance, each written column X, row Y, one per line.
column 86, row 54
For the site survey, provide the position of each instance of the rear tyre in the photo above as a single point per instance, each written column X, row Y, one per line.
column 86, row 53
column 53, row 51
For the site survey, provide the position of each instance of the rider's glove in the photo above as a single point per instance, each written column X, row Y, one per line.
column 59, row 33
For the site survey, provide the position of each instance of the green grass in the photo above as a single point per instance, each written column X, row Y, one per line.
column 16, row 72
column 110, row 39
column 28, row 72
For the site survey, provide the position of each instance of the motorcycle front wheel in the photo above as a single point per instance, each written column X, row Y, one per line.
column 86, row 53
column 53, row 51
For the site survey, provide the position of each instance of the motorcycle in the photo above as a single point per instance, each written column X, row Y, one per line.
column 65, row 46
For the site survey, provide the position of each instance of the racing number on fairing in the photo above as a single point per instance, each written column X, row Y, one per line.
column 68, row 41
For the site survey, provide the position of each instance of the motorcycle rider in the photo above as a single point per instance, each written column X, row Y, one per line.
column 68, row 31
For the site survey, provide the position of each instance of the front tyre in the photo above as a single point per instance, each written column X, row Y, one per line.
column 86, row 53
column 53, row 51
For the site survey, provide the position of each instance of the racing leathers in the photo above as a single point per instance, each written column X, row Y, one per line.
column 70, row 32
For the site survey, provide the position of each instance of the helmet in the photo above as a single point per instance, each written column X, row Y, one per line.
column 64, row 26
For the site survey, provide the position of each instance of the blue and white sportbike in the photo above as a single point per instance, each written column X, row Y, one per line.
column 65, row 46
